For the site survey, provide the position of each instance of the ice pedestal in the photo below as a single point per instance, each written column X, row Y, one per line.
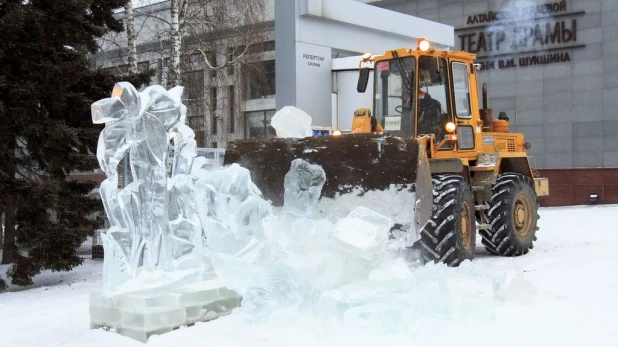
column 143, row 313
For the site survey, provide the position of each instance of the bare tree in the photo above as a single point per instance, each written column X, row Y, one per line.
column 178, row 14
column 206, row 46
column 131, row 37
column 223, row 38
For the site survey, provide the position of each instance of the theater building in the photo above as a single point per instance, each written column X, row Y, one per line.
column 552, row 67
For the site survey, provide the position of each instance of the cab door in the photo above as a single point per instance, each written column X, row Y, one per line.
column 462, row 105
column 434, row 107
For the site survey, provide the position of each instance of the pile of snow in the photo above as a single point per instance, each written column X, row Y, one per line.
column 396, row 202
column 291, row 122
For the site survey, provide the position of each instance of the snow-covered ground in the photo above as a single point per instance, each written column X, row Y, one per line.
column 563, row 293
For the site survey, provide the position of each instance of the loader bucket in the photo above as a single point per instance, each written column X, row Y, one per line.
column 370, row 161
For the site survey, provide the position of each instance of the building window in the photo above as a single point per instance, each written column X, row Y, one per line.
column 268, row 46
column 195, row 59
column 193, row 98
column 230, row 59
column 212, row 59
column 143, row 66
column 232, row 106
column 199, row 138
column 194, row 85
column 160, row 71
column 213, row 109
column 195, row 122
column 235, row 52
column 257, row 124
column 260, row 80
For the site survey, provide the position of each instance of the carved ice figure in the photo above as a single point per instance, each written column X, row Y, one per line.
column 303, row 186
column 231, row 212
column 153, row 221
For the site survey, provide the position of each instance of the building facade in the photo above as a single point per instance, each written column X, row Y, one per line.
column 227, row 64
column 552, row 67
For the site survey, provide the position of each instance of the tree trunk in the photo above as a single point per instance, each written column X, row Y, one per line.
column 132, row 60
column 173, row 74
column 1, row 227
column 10, row 208
column 131, row 37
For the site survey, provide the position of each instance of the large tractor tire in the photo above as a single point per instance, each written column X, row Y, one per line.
column 450, row 234
column 513, row 215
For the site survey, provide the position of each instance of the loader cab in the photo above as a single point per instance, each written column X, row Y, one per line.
column 411, row 95
column 419, row 92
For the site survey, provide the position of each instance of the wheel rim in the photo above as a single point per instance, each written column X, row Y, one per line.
column 465, row 226
column 522, row 212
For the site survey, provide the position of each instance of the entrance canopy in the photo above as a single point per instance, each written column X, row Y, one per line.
column 310, row 33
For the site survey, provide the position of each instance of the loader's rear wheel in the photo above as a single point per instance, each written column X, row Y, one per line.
column 513, row 216
column 450, row 234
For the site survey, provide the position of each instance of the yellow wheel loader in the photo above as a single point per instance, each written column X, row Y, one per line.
column 426, row 130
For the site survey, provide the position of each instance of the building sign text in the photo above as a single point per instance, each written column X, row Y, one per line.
column 532, row 33
column 313, row 60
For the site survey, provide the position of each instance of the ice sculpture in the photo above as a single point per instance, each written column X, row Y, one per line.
column 155, row 274
column 153, row 221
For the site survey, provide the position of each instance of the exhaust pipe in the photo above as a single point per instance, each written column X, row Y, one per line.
column 486, row 113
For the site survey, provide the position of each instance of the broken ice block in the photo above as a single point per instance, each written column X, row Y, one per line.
column 363, row 303
column 291, row 122
column 363, row 233
column 392, row 269
column 303, row 186
column 279, row 287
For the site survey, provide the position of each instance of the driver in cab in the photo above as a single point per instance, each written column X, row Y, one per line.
column 428, row 120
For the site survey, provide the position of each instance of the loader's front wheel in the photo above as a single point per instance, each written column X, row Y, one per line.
column 513, row 216
column 450, row 234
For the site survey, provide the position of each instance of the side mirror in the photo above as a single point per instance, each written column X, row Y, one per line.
column 363, row 79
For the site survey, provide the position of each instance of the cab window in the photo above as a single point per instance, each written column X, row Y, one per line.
column 433, row 98
column 461, row 90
